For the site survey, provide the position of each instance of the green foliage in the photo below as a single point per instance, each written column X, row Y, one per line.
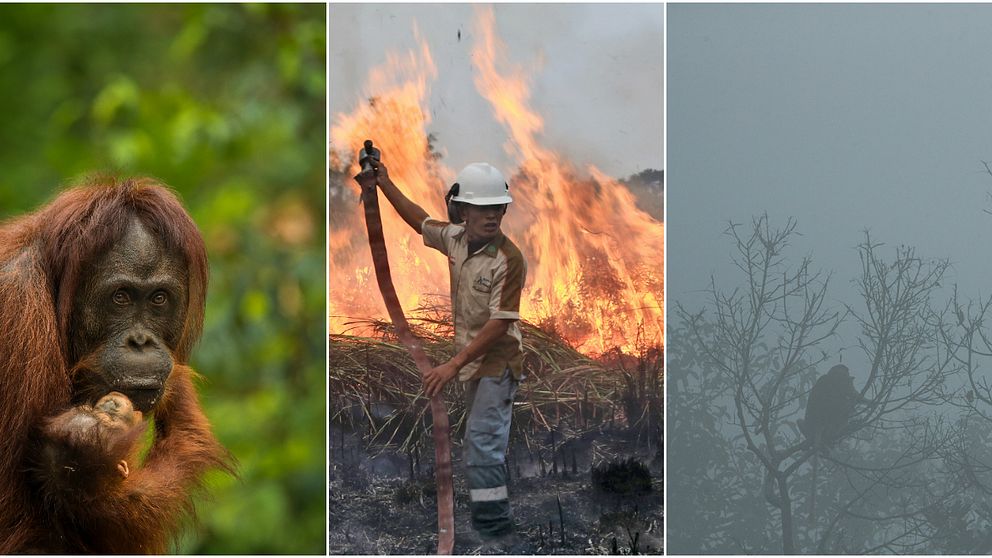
column 225, row 103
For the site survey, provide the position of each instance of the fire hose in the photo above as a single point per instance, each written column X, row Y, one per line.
column 439, row 414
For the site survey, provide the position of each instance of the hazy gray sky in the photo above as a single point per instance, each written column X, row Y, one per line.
column 843, row 116
column 598, row 75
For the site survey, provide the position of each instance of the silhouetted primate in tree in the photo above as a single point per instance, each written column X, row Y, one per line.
column 830, row 406
column 831, row 403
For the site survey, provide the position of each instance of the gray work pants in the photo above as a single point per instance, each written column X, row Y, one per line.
column 489, row 404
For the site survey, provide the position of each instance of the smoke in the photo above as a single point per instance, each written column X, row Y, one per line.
column 597, row 76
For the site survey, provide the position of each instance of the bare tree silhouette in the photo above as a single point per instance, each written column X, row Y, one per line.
column 769, row 336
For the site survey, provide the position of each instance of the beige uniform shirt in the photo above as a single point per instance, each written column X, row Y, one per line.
column 484, row 285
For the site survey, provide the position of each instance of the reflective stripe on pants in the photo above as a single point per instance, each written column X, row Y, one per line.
column 489, row 402
column 488, row 494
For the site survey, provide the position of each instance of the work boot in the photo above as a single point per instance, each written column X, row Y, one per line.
column 502, row 531
column 509, row 542
column 490, row 506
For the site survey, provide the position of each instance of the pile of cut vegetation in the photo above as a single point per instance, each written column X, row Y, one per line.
column 376, row 390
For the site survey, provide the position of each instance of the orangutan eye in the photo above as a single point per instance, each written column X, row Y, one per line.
column 120, row 297
column 159, row 298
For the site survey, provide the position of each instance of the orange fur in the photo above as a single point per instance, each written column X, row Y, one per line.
column 42, row 258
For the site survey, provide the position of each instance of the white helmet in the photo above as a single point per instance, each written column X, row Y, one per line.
column 481, row 184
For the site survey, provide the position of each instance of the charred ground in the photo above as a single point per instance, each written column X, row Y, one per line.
column 574, row 419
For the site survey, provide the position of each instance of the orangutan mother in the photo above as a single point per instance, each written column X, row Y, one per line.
column 101, row 300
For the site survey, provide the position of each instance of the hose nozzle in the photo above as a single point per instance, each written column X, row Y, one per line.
column 368, row 153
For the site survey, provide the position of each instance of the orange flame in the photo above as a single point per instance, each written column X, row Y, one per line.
column 595, row 261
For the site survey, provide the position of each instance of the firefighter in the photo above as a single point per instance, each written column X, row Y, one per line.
column 487, row 276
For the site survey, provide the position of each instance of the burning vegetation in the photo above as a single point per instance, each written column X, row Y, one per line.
column 592, row 331
column 595, row 257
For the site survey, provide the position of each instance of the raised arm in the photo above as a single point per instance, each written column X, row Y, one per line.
column 412, row 213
